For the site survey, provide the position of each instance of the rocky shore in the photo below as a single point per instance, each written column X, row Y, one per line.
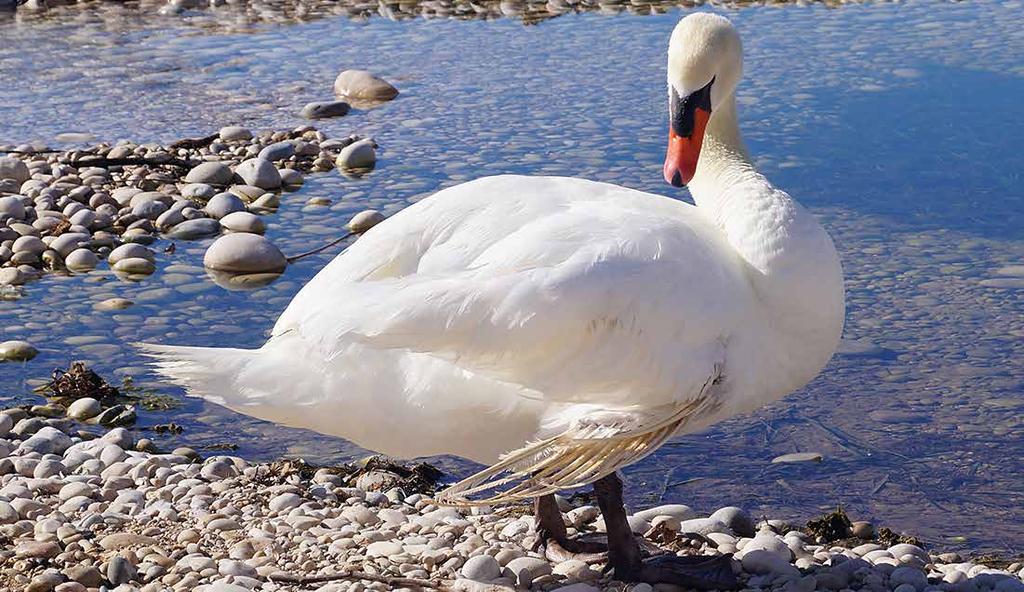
column 213, row 13
column 69, row 211
column 87, row 509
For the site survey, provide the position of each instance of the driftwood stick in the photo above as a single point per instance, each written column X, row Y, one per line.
column 392, row 581
column 193, row 143
column 295, row 258
column 101, row 161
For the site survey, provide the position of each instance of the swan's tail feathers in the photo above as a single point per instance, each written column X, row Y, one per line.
column 212, row 373
column 594, row 446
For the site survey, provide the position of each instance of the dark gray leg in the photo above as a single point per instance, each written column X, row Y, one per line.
column 623, row 551
column 553, row 537
column 624, row 556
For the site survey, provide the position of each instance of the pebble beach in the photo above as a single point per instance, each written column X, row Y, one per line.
column 83, row 509
column 191, row 233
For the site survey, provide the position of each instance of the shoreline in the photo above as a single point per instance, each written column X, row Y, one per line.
column 82, row 510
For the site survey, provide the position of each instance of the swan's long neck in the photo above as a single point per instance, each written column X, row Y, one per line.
column 727, row 188
column 764, row 224
column 793, row 264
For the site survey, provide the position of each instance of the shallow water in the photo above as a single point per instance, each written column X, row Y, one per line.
column 897, row 124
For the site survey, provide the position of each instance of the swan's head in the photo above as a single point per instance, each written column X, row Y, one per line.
column 705, row 62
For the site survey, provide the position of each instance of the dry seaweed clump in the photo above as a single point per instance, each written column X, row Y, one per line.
column 379, row 473
column 78, row 382
column 376, row 473
column 833, row 526
column 891, row 537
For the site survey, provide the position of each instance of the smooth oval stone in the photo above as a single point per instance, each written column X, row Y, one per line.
column 737, row 519
column 12, row 276
column 23, row 229
column 135, row 265
column 150, row 210
column 291, row 178
column 246, row 193
column 171, row 217
column 357, row 155
column 364, row 221
column 68, row 242
column 12, row 206
column 12, row 168
column 83, row 217
column 210, row 173
column 222, row 204
column 797, row 457
column 267, row 201
column 113, row 304
column 243, row 222
column 481, row 568
column 17, row 351
column 130, row 250
column 244, row 253
column 325, row 109
column 234, row 133
column 81, row 260
column 277, row 151
column 193, row 229
column 123, row 195
column 84, row 408
column 259, row 172
column 200, row 191
column 151, row 196
column 29, row 244
column 361, row 84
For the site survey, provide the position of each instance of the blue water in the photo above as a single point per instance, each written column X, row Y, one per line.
column 897, row 124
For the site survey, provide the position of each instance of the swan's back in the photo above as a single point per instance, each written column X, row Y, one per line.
column 492, row 313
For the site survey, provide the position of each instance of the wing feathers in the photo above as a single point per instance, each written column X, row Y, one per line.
column 579, row 456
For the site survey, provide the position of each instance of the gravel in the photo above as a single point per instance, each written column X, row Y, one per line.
column 86, row 513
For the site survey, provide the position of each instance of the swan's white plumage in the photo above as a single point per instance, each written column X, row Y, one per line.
column 578, row 323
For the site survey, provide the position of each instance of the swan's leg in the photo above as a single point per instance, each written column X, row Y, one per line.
column 554, row 539
column 625, row 558
column 623, row 550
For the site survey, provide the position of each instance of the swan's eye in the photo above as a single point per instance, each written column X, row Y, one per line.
column 682, row 111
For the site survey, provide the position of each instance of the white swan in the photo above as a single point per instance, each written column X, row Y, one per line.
column 576, row 324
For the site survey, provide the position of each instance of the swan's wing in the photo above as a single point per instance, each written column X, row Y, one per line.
column 619, row 299
column 597, row 444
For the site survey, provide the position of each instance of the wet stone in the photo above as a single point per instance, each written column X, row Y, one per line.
column 135, row 265
column 17, row 351
column 244, row 253
column 277, row 151
column 358, row 155
column 234, row 133
column 361, row 84
column 324, row 110
column 195, row 229
column 243, row 222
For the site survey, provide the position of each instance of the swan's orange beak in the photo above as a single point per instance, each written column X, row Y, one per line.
column 687, row 119
column 683, row 152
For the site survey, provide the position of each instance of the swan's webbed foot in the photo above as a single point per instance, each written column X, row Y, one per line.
column 700, row 573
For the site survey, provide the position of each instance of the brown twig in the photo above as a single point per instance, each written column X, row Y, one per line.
column 193, row 143
column 101, row 161
column 295, row 258
column 394, row 582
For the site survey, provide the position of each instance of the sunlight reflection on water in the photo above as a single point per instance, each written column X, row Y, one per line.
column 884, row 119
